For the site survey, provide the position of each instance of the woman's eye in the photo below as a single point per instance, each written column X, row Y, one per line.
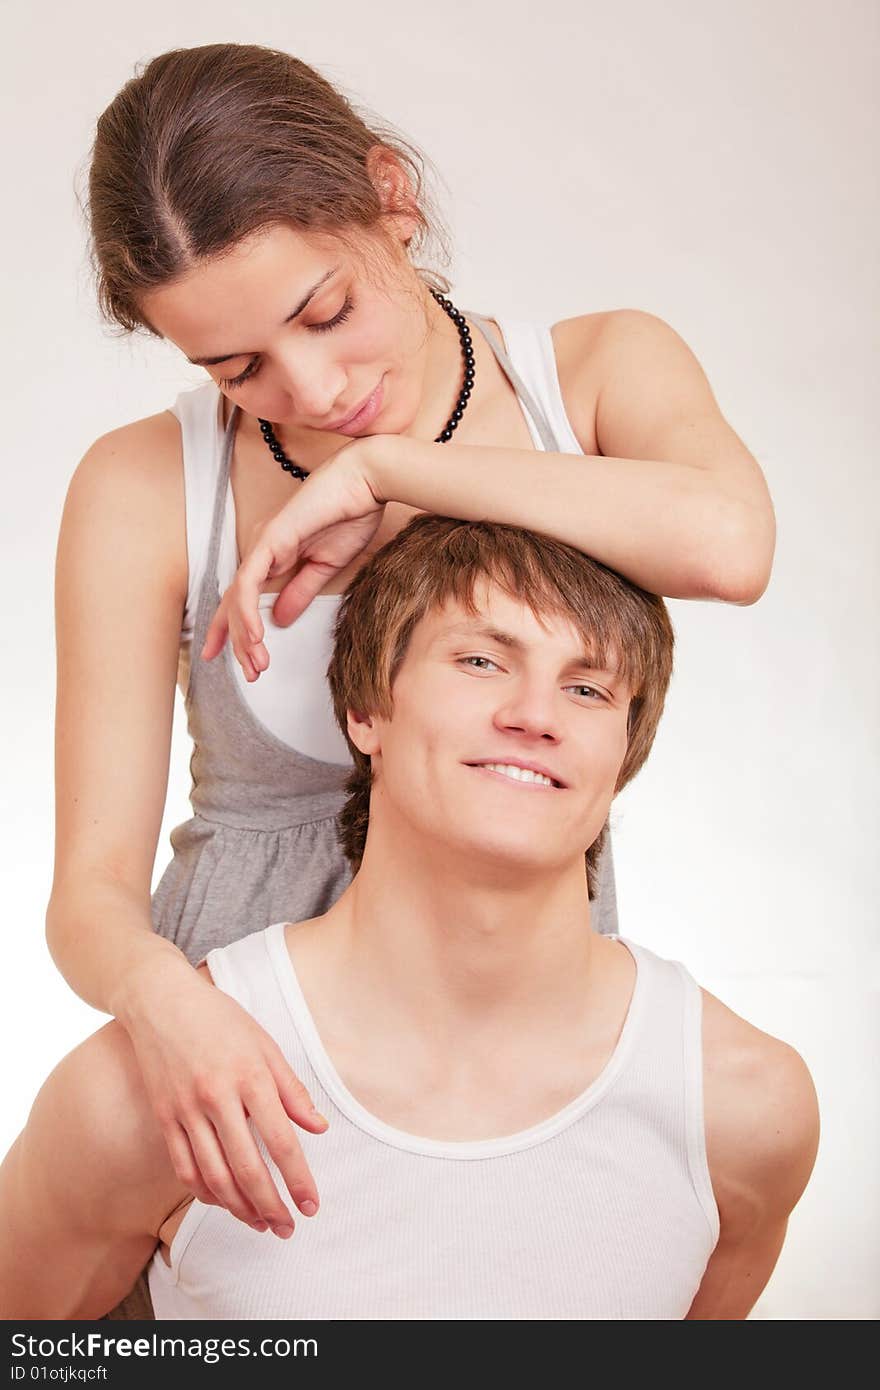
column 343, row 314
column 229, row 383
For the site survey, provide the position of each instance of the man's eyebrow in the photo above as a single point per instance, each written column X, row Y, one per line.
column 507, row 639
column 228, row 356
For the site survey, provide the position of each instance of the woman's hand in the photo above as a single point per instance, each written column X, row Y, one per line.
column 328, row 522
column 208, row 1067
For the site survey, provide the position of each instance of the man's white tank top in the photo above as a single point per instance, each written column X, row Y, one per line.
column 603, row 1211
column 287, row 699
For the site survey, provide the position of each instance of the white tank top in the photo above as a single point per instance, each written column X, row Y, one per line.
column 287, row 698
column 603, row 1211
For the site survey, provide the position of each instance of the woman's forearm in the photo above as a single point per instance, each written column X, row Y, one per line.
column 673, row 528
column 100, row 935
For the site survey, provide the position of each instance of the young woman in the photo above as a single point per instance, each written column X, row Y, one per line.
column 241, row 209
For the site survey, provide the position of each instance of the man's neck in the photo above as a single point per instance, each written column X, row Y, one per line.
column 454, row 945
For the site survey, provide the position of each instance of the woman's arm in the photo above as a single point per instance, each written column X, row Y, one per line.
column 674, row 500
column 121, row 588
column 120, row 582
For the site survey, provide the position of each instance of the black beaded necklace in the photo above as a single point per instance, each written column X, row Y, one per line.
column 467, row 351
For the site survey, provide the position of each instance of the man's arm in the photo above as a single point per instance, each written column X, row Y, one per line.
column 85, row 1187
column 762, row 1134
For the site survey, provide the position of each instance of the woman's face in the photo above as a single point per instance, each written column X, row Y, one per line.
column 296, row 330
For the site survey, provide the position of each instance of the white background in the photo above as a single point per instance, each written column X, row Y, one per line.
column 708, row 162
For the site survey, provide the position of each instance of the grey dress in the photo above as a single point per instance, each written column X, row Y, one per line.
column 261, row 846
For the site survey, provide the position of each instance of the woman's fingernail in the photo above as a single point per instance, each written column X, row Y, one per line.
column 283, row 1231
column 260, row 1225
column 308, row 1208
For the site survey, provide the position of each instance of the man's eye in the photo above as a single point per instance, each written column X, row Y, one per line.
column 589, row 690
column 465, row 659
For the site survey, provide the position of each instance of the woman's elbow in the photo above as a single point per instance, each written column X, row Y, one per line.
column 740, row 560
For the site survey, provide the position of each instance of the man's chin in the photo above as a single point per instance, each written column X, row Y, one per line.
column 514, row 855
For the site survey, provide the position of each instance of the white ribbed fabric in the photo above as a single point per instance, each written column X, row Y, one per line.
column 530, row 349
column 605, row 1210
column 287, row 698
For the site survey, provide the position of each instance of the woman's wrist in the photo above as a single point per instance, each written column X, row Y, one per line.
column 379, row 457
column 148, row 980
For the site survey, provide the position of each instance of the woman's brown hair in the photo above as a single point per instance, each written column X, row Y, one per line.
column 436, row 559
column 209, row 145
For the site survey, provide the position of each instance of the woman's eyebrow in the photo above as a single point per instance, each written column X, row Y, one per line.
column 294, row 313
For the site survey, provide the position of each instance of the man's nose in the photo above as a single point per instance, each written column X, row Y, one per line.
column 530, row 707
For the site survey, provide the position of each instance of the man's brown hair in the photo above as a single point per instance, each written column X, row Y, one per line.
column 436, row 559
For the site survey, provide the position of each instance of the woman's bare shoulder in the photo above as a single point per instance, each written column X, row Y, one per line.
column 582, row 345
column 149, row 449
column 607, row 329
column 625, row 374
column 130, row 483
column 590, row 347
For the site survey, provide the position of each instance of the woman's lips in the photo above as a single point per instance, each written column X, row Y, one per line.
column 365, row 416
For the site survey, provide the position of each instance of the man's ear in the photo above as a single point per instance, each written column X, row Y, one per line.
column 363, row 732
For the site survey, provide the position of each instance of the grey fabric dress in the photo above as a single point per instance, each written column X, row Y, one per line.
column 261, row 846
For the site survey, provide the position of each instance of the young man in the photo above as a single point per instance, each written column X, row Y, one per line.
column 526, row 1119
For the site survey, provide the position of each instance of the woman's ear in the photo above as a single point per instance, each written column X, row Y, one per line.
column 363, row 732
column 392, row 183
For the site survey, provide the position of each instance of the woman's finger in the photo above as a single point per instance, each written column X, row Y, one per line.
column 259, row 657
column 215, row 637
column 278, row 1134
column 187, row 1170
column 184, row 1163
column 220, row 1180
column 238, row 616
column 299, row 591
column 296, row 1100
column 243, row 596
column 252, row 1176
column 221, row 627
column 243, row 657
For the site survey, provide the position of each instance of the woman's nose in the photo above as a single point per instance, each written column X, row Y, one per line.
column 313, row 388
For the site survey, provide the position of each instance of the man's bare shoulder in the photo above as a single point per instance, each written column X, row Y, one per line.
column 761, row 1118
column 93, row 1114
column 84, row 1188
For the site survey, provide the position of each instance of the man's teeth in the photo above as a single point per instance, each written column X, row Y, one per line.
column 519, row 774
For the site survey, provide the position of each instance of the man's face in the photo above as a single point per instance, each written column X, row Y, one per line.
column 479, row 700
